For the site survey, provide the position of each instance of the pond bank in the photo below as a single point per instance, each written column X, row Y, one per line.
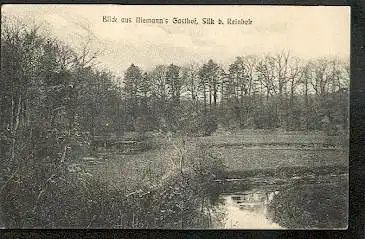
column 319, row 202
column 287, row 172
column 248, row 170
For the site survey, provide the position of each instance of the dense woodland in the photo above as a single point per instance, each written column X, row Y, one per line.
column 53, row 99
column 266, row 92
column 44, row 81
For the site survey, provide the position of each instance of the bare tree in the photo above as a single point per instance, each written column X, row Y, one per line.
column 267, row 75
column 190, row 76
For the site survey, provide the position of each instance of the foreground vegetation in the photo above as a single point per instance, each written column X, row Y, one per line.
column 312, row 206
column 178, row 199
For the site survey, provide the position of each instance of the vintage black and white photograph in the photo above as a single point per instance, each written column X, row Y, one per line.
column 174, row 117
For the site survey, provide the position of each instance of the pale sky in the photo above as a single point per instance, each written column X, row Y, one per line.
column 307, row 32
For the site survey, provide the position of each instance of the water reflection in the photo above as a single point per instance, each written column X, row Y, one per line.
column 248, row 210
column 244, row 206
column 292, row 206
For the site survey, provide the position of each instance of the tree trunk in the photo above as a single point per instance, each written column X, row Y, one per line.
column 306, row 105
column 210, row 96
column 215, row 95
column 291, row 102
column 241, row 107
column 205, row 101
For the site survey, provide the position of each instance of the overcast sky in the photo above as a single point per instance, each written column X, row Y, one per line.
column 307, row 32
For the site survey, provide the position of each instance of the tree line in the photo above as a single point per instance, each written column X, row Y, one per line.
column 47, row 84
column 269, row 92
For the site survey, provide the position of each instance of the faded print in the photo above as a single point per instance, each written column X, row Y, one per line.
column 174, row 117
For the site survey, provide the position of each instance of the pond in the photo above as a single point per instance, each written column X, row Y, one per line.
column 317, row 204
column 247, row 210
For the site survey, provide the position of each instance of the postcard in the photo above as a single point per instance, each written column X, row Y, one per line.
column 174, row 116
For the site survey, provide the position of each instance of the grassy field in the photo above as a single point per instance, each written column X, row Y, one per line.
column 281, row 138
column 130, row 171
column 253, row 150
column 244, row 151
column 239, row 158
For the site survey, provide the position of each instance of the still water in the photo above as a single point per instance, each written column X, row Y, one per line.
column 248, row 210
column 313, row 205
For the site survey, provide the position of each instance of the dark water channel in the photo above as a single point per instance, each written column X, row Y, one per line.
column 318, row 202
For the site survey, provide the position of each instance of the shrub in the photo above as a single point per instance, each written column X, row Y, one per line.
column 312, row 206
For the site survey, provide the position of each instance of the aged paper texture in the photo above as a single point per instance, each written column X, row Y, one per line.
column 174, row 117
